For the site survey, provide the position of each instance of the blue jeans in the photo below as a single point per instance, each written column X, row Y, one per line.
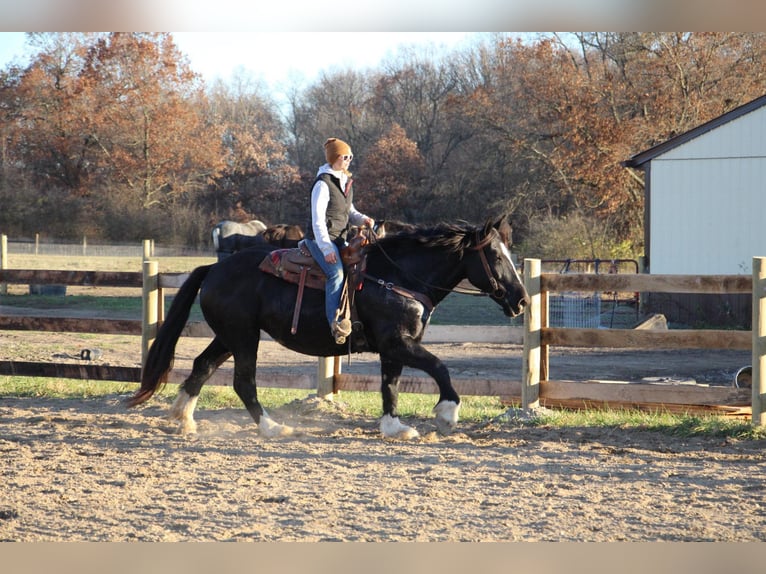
column 334, row 273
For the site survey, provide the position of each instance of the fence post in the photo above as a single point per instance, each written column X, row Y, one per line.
column 149, row 305
column 530, row 376
column 327, row 368
column 3, row 260
column 759, row 341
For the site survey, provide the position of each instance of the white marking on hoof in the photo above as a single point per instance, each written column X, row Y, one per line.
column 183, row 411
column 271, row 429
column 392, row 427
column 447, row 413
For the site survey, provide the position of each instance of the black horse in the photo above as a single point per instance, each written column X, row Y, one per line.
column 407, row 274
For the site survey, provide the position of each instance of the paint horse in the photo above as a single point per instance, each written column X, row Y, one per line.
column 230, row 236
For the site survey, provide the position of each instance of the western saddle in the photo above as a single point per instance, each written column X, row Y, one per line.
column 296, row 265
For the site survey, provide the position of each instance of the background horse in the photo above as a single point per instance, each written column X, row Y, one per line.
column 230, row 236
column 407, row 275
column 283, row 235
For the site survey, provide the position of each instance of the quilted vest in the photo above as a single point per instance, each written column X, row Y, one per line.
column 337, row 208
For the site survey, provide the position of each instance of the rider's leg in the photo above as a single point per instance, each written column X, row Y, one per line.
column 333, row 290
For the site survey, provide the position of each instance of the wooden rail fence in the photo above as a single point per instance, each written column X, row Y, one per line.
column 533, row 388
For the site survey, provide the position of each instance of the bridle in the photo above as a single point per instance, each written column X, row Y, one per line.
column 498, row 291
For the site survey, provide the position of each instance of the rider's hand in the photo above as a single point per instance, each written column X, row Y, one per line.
column 330, row 258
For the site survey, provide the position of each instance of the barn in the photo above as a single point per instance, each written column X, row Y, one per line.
column 705, row 194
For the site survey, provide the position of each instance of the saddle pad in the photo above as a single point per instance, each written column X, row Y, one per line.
column 288, row 264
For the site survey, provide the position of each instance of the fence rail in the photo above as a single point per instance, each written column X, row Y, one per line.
column 538, row 337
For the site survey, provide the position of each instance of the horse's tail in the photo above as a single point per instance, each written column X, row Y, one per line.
column 159, row 360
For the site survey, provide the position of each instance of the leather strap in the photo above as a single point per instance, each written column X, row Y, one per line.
column 299, row 301
column 423, row 299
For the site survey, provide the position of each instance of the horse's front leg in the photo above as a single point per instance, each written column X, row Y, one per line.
column 447, row 409
column 390, row 425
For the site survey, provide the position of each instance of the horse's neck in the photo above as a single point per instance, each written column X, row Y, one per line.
column 434, row 276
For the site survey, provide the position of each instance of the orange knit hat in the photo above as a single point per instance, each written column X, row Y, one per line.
column 334, row 148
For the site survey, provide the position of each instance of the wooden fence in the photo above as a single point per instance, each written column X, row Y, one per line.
column 532, row 389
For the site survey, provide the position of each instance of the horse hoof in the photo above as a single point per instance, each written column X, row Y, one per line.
column 446, row 416
column 444, row 428
column 270, row 429
column 391, row 427
column 187, row 427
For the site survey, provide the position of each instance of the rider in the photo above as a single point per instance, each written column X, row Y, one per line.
column 332, row 211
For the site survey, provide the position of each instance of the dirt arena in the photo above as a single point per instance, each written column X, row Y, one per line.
column 90, row 470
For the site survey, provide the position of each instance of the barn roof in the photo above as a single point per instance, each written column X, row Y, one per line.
column 645, row 156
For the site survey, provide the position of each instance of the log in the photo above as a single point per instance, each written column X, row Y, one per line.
column 655, row 322
column 224, row 377
column 683, row 398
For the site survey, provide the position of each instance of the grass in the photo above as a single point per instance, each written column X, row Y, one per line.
column 474, row 409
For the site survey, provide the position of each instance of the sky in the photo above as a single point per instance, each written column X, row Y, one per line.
column 279, row 58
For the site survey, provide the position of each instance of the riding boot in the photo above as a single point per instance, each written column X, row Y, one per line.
column 340, row 330
column 341, row 326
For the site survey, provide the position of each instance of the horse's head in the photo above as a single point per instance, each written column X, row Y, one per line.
column 491, row 268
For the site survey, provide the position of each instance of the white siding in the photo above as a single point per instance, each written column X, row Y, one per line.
column 742, row 137
column 708, row 201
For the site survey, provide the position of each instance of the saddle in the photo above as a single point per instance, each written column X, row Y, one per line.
column 297, row 265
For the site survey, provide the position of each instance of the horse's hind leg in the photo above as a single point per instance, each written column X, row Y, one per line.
column 204, row 366
column 390, row 425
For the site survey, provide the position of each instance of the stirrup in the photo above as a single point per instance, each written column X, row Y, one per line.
column 340, row 330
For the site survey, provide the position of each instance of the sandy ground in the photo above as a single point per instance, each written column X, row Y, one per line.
column 90, row 470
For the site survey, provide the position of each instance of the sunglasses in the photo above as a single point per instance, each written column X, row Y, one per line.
column 348, row 157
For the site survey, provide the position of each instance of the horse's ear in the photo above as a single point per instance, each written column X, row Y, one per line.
column 502, row 224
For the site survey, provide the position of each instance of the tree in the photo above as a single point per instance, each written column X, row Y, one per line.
column 152, row 140
column 109, row 125
column 391, row 173
column 257, row 177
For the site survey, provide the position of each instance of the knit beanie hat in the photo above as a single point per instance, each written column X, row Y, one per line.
column 334, row 148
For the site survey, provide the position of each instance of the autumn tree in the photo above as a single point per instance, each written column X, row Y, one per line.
column 111, row 121
column 573, row 107
column 152, row 139
column 257, row 178
column 43, row 136
column 391, row 174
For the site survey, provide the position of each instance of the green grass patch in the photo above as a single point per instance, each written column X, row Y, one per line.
column 474, row 409
column 107, row 306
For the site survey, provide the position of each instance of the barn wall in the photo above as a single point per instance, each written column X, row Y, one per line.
column 708, row 198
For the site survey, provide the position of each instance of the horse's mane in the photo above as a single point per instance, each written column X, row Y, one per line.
column 454, row 237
